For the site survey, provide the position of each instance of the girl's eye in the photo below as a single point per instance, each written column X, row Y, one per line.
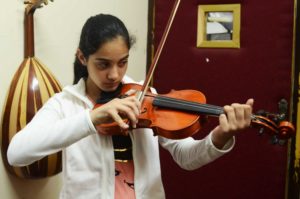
column 102, row 65
column 123, row 63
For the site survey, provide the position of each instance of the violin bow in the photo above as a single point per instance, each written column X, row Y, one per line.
column 141, row 94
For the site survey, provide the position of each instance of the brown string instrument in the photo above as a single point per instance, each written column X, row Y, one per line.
column 32, row 85
column 178, row 114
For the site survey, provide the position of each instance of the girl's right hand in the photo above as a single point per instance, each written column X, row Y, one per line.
column 116, row 110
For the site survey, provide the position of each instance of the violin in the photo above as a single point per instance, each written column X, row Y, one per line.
column 179, row 114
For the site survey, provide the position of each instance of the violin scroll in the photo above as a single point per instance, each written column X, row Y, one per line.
column 286, row 130
column 275, row 124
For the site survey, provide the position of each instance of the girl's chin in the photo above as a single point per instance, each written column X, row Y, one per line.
column 109, row 88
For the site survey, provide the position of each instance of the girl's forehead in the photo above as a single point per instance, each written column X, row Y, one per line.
column 114, row 46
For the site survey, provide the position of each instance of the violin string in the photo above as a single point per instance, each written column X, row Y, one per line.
column 206, row 107
column 180, row 102
column 169, row 102
column 214, row 110
column 191, row 103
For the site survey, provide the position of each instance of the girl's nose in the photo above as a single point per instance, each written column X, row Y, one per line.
column 113, row 73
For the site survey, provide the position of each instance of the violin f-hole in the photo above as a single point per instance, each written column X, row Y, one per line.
column 144, row 110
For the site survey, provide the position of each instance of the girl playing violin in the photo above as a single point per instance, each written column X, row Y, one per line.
column 97, row 165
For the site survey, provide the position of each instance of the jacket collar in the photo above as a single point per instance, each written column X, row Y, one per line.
column 79, row 90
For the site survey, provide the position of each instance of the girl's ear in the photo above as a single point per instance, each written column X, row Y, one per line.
column 81, row 57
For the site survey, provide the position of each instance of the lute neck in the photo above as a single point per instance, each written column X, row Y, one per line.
column 29, row 34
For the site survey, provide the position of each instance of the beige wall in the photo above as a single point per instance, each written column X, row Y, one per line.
column 57, row 29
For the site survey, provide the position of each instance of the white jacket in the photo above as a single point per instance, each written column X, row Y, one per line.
column 64, row 123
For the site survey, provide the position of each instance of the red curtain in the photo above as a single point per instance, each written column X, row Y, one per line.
column 260, row 69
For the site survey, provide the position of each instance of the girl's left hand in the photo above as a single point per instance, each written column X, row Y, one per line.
column 236, row 118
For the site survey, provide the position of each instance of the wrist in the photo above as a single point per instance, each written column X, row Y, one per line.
column 220, row 138
column 96, row 117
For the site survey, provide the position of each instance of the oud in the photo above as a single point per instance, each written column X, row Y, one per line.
column 32, row 85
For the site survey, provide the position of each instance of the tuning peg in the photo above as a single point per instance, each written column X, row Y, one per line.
column 261, row 131
column 261, row 112
column 281, row 142
column 40, row 2
column 274, row 140
column 46, row 2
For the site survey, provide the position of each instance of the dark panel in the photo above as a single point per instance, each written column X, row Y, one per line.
column 261, row 69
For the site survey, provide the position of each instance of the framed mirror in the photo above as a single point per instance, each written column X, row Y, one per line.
column 219, row 26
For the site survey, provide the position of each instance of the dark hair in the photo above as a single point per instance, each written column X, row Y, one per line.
column 96, row 31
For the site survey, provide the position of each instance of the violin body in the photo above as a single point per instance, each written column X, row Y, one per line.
column 168, row 121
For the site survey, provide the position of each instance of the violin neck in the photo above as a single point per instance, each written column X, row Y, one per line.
column 187, row 106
